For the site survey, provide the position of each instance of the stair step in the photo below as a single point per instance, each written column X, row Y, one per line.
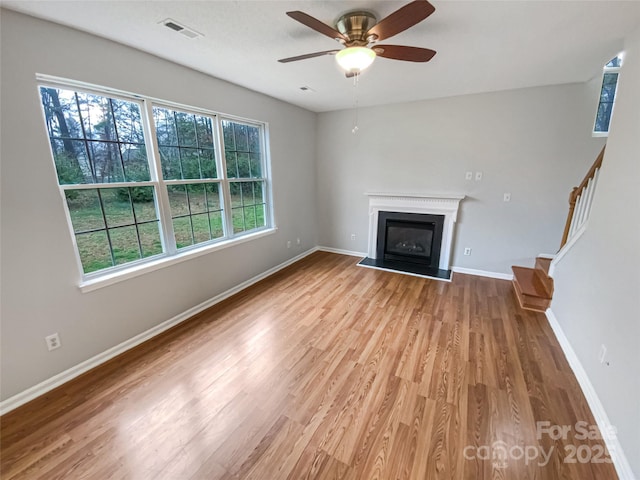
column 530, row 282
column 543, row 264
column 533, row 287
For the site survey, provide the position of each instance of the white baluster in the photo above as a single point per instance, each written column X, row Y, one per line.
column 593, row 191
column 574, row 218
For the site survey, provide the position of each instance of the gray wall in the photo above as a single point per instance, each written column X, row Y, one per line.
column 533, row 143
column 39, row 274
column 597, row 284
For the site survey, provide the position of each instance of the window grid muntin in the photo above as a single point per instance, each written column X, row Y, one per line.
column 108, row 228
column 237, row 179
column 197, row 148
column 207, row 211
column 87, row 139
column 255, row 203
column 153, row 163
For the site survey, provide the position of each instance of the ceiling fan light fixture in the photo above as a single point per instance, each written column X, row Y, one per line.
column 355, row 59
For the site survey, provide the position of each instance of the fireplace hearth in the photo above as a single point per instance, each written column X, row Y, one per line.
column 409, row 242
column 412, row 233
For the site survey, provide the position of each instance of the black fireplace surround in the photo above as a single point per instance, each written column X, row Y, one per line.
column 409, row 242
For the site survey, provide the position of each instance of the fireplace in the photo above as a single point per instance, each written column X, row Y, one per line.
column 412, row 233
column 410, row 237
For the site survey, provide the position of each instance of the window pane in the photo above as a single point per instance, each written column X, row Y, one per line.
column 196, row 212
column 150, row 239
column 144, row 205
column 186, row 129
column 84, row 210
column 178, row 200
column 94, row 251
column 208, row 163
column 201, row 228
column 197, row 199
column 128, row 121
column 170, row 161
column 96, row 117
column 256, row 165
column 603, row 117
column 237, row 215
column 248, row 207
column 117, row 205
column 236, row 194
column 186, row 144
column 61, row 113
column 614, row 62
column 182, row 231
column 190, row 159
column 205, row 132
column 215, row 220
column 165, row 127
column 260, row 215
column 136, row 165
column 243, row 150
column 105, row 158
column 72, row 163
column 124, row 241
column 213, row 196
column 120, row 242
column 94, row 138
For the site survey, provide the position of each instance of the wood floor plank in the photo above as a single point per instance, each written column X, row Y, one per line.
column 322, row 371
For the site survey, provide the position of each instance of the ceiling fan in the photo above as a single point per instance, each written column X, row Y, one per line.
column 359, row 32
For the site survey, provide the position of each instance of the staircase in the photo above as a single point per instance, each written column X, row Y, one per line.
column 534, row 286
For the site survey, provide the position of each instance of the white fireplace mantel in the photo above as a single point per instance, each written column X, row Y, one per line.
column 434, row 204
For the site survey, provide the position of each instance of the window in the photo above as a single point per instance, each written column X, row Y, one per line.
column 143, row 180
column 607, row 96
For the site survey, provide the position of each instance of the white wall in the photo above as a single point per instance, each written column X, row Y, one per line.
column 597, row 284
column 39, row 276
column 533, row 143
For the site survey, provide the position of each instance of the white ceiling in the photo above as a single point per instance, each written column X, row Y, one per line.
column 482, row 45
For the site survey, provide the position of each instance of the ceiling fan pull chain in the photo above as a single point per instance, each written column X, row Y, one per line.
column 356, row 78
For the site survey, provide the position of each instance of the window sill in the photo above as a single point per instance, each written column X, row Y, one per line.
column 89, row 285
column 599, row 134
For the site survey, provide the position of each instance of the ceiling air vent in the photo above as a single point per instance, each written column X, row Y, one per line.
column 181, row 29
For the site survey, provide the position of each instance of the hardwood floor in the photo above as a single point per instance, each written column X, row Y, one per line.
column 325, row 370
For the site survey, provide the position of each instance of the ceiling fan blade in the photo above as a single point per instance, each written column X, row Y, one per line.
column 317, row 25
column 400, row 52
column 308, row 55
column 403, row 18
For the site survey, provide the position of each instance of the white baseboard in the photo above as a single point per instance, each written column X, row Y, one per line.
column 620, row 462
column 40, row 389
column 342, row 252
column 482, row 273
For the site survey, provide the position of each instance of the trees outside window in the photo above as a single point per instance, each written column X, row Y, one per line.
column 142, row 180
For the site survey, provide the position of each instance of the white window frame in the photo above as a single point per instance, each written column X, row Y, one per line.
column 170, row 254
column 599, row 134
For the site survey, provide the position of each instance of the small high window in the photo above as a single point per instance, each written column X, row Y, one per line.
column 607, row 96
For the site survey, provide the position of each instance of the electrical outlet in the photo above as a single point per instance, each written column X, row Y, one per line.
column 288, row 243
column 478, row 176
column 297, row 241
column 468, row 176
column 467, row 251
column 506, row 197
column 53, row 341
column 353, row 236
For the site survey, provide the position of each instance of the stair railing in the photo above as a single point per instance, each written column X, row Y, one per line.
column 580, row 201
